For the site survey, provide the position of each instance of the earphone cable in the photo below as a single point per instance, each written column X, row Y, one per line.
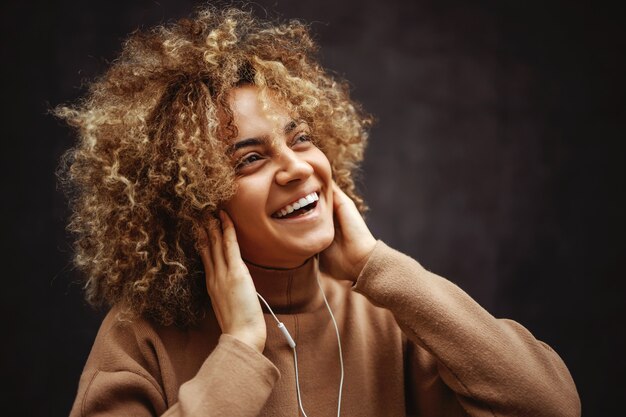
column 268, row 308
column 295, row 365
column 332, row 316
column 295, row 354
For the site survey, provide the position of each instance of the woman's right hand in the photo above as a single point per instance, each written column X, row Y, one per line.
column 230, row 286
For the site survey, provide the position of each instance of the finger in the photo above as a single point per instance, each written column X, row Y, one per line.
column 231, row 245
column 341, row 206
column 339, row 196
column 203, row 249
column 217, row 253
column 350, row 222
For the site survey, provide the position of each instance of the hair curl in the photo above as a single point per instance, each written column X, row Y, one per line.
column 150, row 163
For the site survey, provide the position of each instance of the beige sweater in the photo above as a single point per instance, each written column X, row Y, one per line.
column 413, row 344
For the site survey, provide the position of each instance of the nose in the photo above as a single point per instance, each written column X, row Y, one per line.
column 293, row 167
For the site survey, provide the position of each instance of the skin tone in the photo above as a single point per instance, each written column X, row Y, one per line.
column 279, row 165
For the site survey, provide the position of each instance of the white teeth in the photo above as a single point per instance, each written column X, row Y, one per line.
column 302, row 202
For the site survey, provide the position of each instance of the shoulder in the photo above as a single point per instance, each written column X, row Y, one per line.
column 122, row 359
column 140, row 345
column 138, row 352
column 124, row 344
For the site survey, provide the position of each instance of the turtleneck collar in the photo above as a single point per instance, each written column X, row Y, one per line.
column 289, row 291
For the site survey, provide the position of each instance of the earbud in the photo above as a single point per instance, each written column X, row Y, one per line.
column 285, row 333
column 280, row 324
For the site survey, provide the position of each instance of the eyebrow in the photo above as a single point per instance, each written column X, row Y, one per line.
column 288, row 128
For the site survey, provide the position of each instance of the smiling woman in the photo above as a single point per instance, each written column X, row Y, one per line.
column 152, row 164
column 276, row 225
column 213, row 196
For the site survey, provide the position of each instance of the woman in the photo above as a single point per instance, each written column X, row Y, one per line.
column 225, row 116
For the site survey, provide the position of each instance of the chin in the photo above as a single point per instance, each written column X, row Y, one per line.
column 301, row 252
column 319, row 245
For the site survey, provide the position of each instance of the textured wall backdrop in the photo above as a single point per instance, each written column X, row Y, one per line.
column 497, row 161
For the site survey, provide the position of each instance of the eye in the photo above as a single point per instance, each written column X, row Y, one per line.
column 302, row 138
column 247, row 160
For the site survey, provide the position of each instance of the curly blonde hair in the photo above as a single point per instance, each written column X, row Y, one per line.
column 150, row 163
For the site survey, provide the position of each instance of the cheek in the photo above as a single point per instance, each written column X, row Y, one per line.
column 323, row 166
column 248, row 197
column 250, row 190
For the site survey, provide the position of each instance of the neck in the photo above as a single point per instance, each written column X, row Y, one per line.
column 292, row 290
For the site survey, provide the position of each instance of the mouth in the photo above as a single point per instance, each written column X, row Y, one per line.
column 298, row 208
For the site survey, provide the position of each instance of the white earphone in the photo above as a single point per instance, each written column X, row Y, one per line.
column 292, row 345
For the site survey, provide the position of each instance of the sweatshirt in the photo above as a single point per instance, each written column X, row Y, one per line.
column 413, row 344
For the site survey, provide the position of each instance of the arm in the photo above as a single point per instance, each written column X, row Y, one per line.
column 235, row 380
column 128, row 368
column 492, row 367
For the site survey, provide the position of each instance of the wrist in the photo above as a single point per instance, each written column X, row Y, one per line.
column 366, row 251
column 254, row 341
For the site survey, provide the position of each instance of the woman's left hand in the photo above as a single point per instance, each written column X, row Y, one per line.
column 353, row 242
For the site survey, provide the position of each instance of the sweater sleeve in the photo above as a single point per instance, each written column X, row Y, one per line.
column 234, row 380
column 492, row 367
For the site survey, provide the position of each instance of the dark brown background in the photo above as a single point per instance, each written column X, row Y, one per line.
column 497, row 161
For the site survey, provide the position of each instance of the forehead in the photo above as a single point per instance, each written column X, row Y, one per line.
column 255, row 113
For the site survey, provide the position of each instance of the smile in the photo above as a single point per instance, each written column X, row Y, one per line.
column 299, row 207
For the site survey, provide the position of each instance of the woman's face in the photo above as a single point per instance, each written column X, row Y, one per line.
column 283, row 207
